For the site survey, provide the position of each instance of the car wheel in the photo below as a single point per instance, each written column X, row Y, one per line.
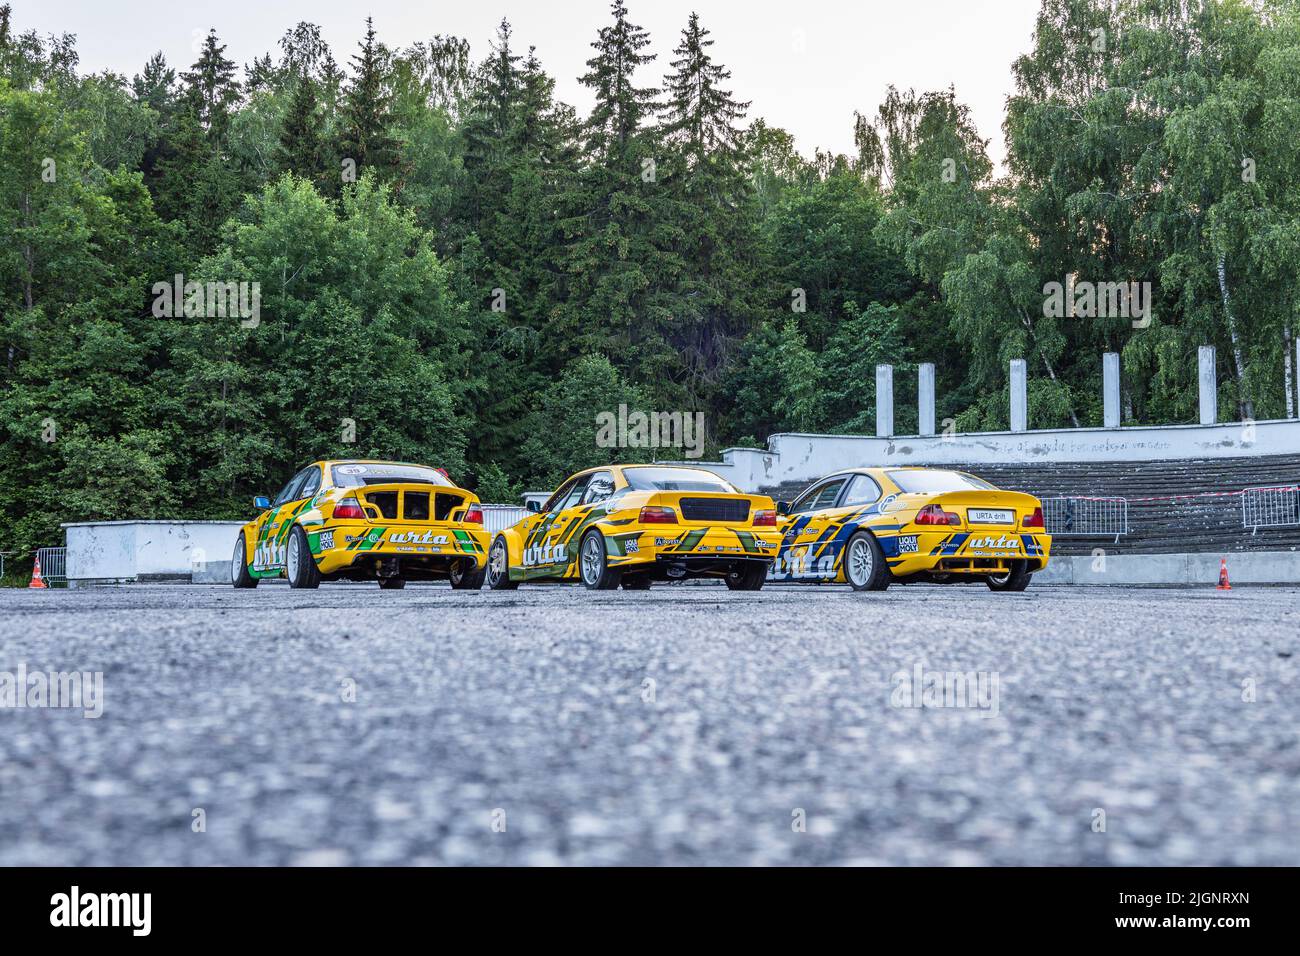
column 497, row 573
column 239, row 575
column 864, row 563
column 392, row 584
column 747, row 577
column 1016, row 579
column 467, row 576
column 299, row 564
column 636, row 582
column 594, row 564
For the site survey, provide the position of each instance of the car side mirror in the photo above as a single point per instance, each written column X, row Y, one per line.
column 261, row 502
column 533, row 507
column 783, row 507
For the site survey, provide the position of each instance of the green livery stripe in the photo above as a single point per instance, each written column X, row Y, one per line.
column 467, row 542
column 692, row 540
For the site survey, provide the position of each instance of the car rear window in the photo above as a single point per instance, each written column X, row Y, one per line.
column 936, row 482
column 676, row 479
column 356, row 474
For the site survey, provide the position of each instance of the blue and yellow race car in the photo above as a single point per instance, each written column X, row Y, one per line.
column 364, row 521
column 870, row 527
column 634, row 524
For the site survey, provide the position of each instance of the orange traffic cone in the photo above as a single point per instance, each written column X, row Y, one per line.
column 1223, row 576
column 37, row 580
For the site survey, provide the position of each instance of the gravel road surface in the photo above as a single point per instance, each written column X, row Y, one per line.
column 686, row 725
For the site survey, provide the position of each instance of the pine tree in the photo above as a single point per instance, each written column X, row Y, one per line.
column 709, row 188
column 621, row 107
column 366, row 120
column 301, row 148
column 213, row 79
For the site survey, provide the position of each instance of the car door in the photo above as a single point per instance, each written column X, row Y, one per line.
column 273, row 525
column 563, row 535
column 537, row 558
column 808, row 543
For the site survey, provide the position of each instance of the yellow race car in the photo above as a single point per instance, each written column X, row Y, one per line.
column 364, row 521
column 634, row 524
column 870, row 527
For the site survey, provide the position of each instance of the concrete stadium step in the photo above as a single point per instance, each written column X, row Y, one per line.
column 1156, row 527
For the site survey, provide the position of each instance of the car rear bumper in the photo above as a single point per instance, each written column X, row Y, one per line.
column 338, row 547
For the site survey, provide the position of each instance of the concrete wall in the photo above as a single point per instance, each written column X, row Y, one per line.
column 147, row 550
column 1259, row 567
column 794, row 457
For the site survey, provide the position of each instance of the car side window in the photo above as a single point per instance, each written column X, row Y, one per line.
column 289, row 491
column 575, row 496
column 823, row 496
column 862, row 491
column 556, row 501
column 311, row 485
column 599, row 488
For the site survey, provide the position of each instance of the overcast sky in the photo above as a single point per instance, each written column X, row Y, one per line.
column 806, row 65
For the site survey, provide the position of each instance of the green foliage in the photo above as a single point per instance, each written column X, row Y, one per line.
column 563, row 429
column 503, row 268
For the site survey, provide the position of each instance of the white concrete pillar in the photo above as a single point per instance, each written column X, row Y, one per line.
column 1209, row 386
column 1019, row 395
column 1110, row 389
column 884, row 401
column 925, row 397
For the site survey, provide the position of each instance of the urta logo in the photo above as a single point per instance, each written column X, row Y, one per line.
column 102, row 909
column 1001, row 543
column 545, row 554
column 412, row 537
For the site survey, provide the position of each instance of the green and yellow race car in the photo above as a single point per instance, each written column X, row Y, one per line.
column 635, row 524
column 364, row 521
column 870, row 527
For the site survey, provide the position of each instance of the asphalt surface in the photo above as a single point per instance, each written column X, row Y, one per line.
column 686, row 725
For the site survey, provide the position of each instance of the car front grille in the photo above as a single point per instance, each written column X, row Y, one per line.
column 715, row 509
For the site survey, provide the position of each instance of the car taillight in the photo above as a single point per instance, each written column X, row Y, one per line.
column 349, row 508
column 764, row 519
column 474, row 515
column 653, row 514
column 1035, row 520
column 934, row 514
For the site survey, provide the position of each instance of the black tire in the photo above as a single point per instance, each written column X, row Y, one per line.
column 593, row 563
column 864, row 564
column 299, row 563
column 497, row 573
column 239, row 575
column 392, row 584
column 636, row 582
column 1017, row 579
column 467, row 580
column 748, row 577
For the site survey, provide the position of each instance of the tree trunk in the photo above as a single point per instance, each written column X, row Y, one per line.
column 1290, row 371
column 1244, row 405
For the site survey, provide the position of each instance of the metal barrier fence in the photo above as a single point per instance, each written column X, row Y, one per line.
column 1086, row 517
column 1272, row 507
column 54, row 564
column 499, row 517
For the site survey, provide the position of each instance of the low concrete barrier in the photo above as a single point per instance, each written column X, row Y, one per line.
column 1256, row 567
column 111, row 551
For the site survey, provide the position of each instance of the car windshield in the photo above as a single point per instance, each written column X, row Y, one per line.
column 676, row 479
column 354, row 474
column 935, row 482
